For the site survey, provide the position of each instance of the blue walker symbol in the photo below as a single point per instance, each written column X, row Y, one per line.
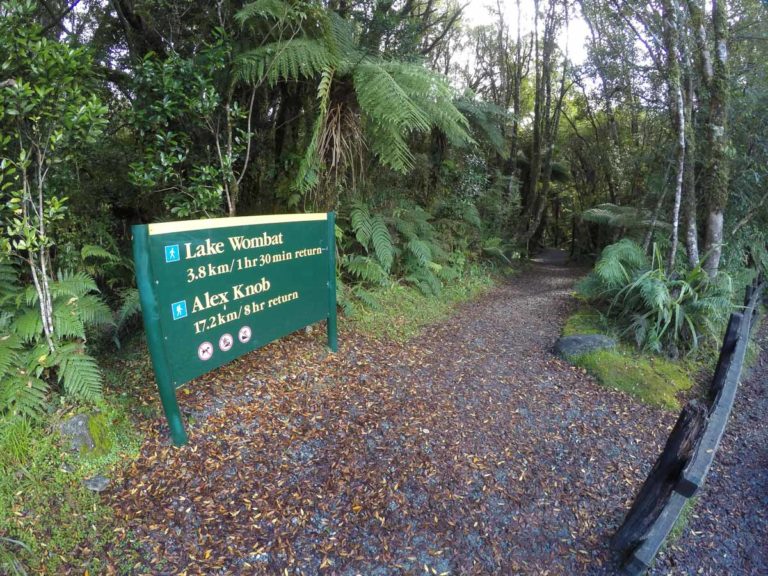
column 179, row 309
column 172, row 253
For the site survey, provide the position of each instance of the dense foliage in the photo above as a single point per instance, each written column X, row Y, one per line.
column 439, row 144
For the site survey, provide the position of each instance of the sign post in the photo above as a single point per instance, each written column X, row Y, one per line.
column 213, row 290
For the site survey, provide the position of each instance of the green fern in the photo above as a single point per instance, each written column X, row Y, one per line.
column 662, row 313
column 77, row 372
column 73, row 284
column 486, row 119
column 268, row 9
column 366, row 269
column 618, row 262
column 93, row 252
column 27, row 324
column 283, row 60
column 420, row 250
column 26, row 360
column 23, row 395
column 371, row 231
column 628, row 217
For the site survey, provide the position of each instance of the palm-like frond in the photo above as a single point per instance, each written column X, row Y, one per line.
column 77, row 372
column 268, row 9
column 366, row 269
column 284, row 60
column 23, row 395
column 616, row 216
column 72, row 284
column 94, row 252
column 486, row 119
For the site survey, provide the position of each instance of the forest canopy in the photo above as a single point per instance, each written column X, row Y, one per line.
column 439, row 144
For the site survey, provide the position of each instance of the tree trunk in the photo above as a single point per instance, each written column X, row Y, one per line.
column 689, row 177
column 717, row 172
column 676, row 107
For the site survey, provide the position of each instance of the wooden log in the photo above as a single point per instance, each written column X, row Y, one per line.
column 658, row 486
column 726, row 355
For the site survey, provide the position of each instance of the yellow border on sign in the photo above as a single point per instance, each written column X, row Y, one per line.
column 210, row 223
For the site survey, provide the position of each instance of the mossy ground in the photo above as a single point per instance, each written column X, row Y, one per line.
column 652, row 379
column 45, row 510
column 586, row 320
column 401, row 311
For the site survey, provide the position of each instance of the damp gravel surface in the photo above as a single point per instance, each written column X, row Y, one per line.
column 471, row 449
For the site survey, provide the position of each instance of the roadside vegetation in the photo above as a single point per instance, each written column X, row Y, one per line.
column 443, row 173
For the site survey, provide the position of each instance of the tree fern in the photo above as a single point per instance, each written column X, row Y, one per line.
column 620, row 216
column 486, row 119
column 268, row 9
column 283, row 60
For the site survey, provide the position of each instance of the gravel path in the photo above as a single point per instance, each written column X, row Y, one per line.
column 728, row 530
column 469, row 450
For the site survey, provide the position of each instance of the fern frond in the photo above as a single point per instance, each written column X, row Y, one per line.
column 388, row 143
column 654, row 292
column 366, row 269
column 284, row 60
column 77, row 372
column 131, row 305
column 384, row 100
column 367, row 298
column 308, row 175
column 23, row 395
column 10, row 344
column 72, row 284
column 383, row 246
column 66, row 320
column 618, row 260
column 28, row 325
column 93, row 311
column 486, row 119
column 362, row 223
column 93, row 252
column 421, row 250
column 270, row 9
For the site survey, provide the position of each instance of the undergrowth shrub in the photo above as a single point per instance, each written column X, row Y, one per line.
column 671, row 313
column 423, row 248
column 28, row 364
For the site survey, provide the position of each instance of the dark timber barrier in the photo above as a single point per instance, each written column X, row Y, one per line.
column 682, row 467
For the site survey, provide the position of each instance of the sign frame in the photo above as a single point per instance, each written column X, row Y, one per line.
column 147, row 283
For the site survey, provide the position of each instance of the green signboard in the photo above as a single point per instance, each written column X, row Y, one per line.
column 212, row 290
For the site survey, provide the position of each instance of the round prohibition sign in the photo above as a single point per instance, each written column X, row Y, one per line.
column 244, row 334
column 225, row 342
column 205, row 351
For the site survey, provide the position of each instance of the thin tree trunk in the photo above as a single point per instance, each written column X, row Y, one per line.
column 689, row 180
column 677, row 110
column 717, row 169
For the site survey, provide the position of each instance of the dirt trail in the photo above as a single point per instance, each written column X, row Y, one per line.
column 470, row 450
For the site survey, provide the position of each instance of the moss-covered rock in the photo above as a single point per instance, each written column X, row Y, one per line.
column 98, row 427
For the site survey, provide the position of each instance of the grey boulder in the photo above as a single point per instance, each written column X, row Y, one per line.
column 578, row 344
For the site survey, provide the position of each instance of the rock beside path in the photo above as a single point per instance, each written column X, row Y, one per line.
column 578, row 344
column 76, row 431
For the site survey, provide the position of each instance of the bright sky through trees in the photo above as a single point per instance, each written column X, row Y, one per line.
column 573, row 38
